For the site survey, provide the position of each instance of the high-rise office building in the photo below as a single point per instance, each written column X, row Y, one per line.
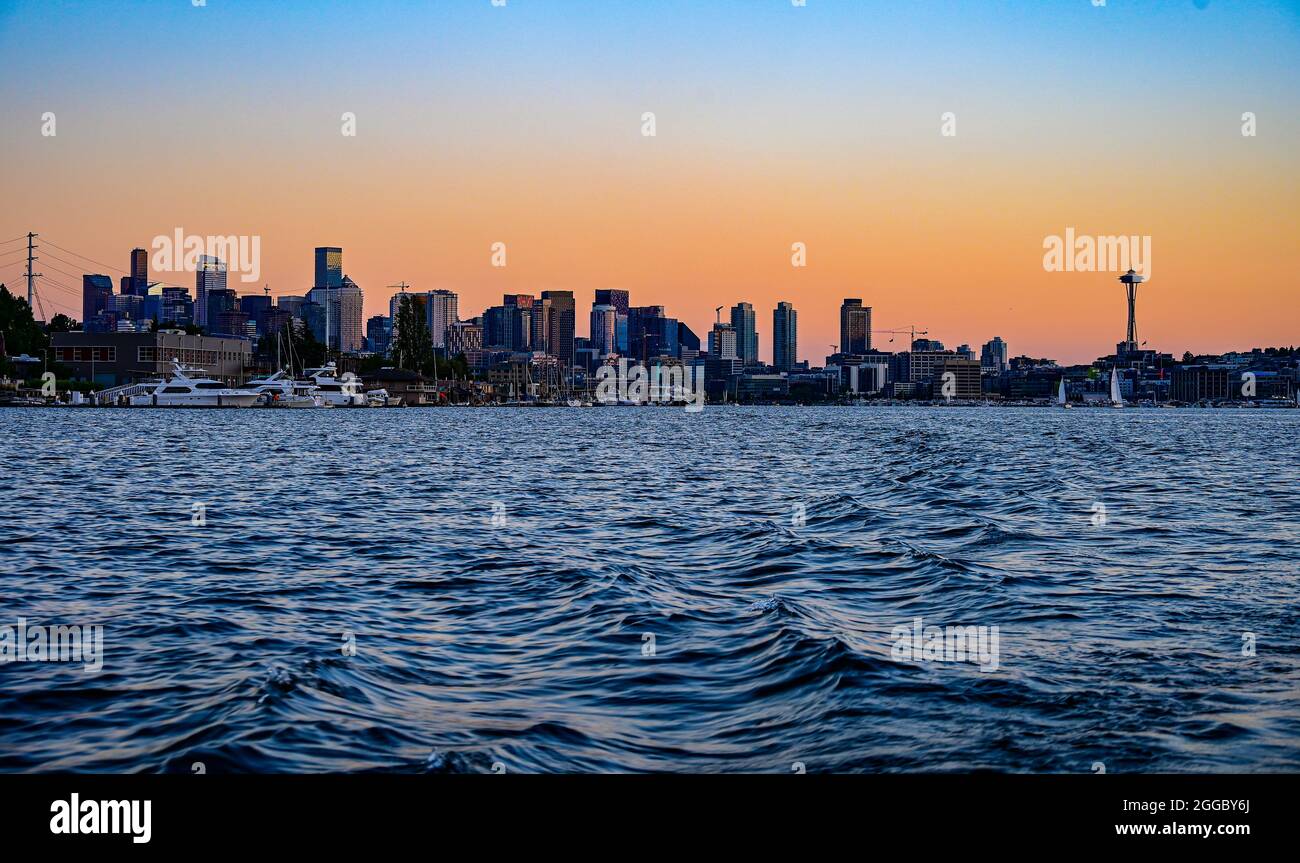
column 329, row 267
column 219, row 305
column 722, row 342
column 341, row 315
column 785, row 337
column 139, row 272
column 563, row 316
column 612, row 297
column 742, row 321
column 994, row 356
column 256, row 306
column 210, row 276
column 604, row 329
column 855, row 327
column 466, row 337
column 379, row 334
column 441, row 312
column 95, row 291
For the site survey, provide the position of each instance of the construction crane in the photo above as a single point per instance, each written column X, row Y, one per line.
column 912, row 331
column 718, row 312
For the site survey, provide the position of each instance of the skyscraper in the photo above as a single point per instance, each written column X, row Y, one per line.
column 742, row 321
column 613, row 297
column 139, row 272
column 604, row 329
column 442, row 310
column 95, row 291
column 329, row 267
column 722, row 342
column 563, row 314
column 993, row 356
column 210, row 276
column 855, row 327
column 785, row 337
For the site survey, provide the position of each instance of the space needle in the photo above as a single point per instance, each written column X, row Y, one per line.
column 1131, row 281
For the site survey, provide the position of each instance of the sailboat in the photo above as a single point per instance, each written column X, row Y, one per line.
column 1060, row 395
column 1116, row 400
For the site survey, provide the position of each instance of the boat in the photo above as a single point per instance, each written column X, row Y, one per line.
column 281, row 391
column 380, row 398
column 1116, row 400
column 1060, row 395
column 184, row 390
column 336, row 392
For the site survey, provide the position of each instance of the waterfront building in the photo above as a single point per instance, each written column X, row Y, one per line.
column 758, row 387
column 855, row 327
column 966, row 379
column 785, row 337
column 119, row 358
column 1209, row 381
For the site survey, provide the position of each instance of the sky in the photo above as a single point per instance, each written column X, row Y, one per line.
column 774, row 125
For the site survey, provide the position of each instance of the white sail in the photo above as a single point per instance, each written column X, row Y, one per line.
column 1115, row 397
column 1060, row 395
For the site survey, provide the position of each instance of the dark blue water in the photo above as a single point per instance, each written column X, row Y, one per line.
column 503, row 571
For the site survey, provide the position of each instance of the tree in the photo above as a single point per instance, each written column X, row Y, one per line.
column 20, row 332
column 413, row 346
column 61, row 323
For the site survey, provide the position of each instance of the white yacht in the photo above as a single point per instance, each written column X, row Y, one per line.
column 281, row 391
column 183, row 390
column 334, row 391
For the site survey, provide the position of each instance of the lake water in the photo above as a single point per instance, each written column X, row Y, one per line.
column 570, row 590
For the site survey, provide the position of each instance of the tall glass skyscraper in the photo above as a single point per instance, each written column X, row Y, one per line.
column 785, row 337
column 742, row 320
column 209, row 277
column 95, row 291
column 604, row 329
column 329, row 267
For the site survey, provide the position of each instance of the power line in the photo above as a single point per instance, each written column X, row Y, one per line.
column 92, row 260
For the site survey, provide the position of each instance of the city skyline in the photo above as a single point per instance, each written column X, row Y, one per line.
column 837, row 145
